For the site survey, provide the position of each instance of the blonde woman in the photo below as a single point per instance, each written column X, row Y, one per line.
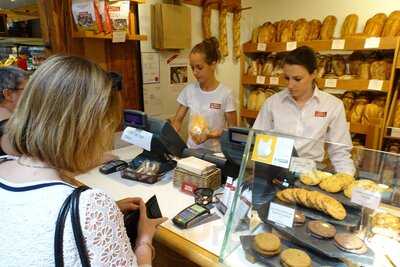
column 64, row 122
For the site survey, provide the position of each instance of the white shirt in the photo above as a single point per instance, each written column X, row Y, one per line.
column 27, row 225
column 212, row 105
column 322, row 119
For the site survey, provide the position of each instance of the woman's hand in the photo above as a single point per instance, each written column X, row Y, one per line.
column 147, row 227
column 128, row 204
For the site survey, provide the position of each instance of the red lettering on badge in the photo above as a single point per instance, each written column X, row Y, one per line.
column 320, row 113
column 215, row 105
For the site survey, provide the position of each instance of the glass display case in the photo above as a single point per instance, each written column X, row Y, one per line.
column 309, row 207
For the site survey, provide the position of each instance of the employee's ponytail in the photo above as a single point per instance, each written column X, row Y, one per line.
column 210, row 49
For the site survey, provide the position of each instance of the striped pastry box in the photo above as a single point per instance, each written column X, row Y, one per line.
column 211, row 179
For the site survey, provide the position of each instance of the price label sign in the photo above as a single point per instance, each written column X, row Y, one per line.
column 118, row 36
column 338, row 44
column 291, row 46
column 332, row 83
column 273, row 150
column 366, row 198
column 137, row 137
column 395, row 132
column 274, row 80
column 262, row 47
column 375, row 85
column 260, row 79
column 372, row 42
column 302, row 165
column 281, row 214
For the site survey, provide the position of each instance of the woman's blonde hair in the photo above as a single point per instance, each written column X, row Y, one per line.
column 66, row 115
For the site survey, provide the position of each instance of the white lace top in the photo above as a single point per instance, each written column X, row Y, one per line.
column 27, row 225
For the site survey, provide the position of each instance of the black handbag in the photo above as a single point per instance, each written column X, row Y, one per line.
column 71, row 203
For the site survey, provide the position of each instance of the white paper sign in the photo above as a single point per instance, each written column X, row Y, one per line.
column 291, row 46
column 283, row 152
column 375, row 85
column 261, row 47
column 366, row 198
column 274, row 80
column 281, row 214
column 395, row 132
column 372, row 42
column 338, row 44
column 332, row 83
column 260, row 79
column 137, row 137
column 118, row 36
column 302, row 165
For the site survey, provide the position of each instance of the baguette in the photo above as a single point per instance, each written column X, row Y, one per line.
column 315, row 28
column 328, row 28
column 349, row 26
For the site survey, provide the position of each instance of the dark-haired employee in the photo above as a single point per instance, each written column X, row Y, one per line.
column 303, row 110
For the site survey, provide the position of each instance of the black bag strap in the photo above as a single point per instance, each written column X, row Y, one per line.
column 71, row 202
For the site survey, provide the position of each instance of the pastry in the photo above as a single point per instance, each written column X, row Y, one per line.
column 267, row 244
column 350, row 243
column 299, row 218
column 295, row 258
column 321, row 229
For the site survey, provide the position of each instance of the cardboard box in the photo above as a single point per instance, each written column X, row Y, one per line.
column 170, row 26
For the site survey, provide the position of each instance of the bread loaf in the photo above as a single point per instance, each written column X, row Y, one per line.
column 315, row 28
column 236, row 33
column 267, row 33
column 252, row 100
column 358, row 110
column 396, row 119
column 287, row 31
column 355, row 61
column 388, row 69
column 328, row 28
column 321, row 66
column 254, row 35
column 349, row 25
column 268, row 67
column 253, row 68
column 260, row 99
column 223, row 36
column 206, row 20
column 348, row 101
column 302, row 30
column 374, row 25
column 279, row 25
column 378, row 70
column 364, row 71
column 372, row 113
column 392, row 26
column 338, row 65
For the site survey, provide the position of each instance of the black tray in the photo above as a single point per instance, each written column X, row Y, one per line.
column 301, row 236
column 352, row 219
column 274, row 261
column 338, row 196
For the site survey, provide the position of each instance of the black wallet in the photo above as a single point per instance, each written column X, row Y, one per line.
column 131, row 219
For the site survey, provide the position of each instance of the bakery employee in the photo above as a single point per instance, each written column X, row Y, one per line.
column 303, row 110
column 207, row 97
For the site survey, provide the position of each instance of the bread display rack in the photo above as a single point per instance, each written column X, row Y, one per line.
column 367, row 42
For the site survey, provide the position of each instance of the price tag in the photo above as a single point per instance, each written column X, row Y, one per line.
column 301, row 165
column 291, row 46
column 260, row 79
column 395, row 132
column 372, row 42
column 118, row 36
column 273, row 150
column 137, row 137
column 375, row 85
column 262, row 47
column 274, row 80
column 338, row 44
column 366, row 198
column 331, row 83
column 281, row 214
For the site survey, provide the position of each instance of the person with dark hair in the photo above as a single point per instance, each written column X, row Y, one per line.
column 207, row 98
column 303, row 110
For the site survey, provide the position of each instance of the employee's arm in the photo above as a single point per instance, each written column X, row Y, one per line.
column 179, row 116
column 339, row 148
column 231, row 118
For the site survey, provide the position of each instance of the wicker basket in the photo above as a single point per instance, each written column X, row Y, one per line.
column 211, row 179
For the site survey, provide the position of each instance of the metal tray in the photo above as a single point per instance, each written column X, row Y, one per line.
column 352, row 219
column 301, row 236
column 275, row 261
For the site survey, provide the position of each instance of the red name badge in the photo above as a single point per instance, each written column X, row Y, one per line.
column 188, row 188
column 320, row 113
column 215, row 106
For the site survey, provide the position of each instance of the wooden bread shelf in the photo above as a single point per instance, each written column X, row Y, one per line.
column 386, row 43
column 91, row 34
column 349, row 85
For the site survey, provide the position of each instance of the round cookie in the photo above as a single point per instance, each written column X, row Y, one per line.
column 267, row 242
column 321, row 229
column 348, row 241
column 280, row 196
column 288, row 194
column 295, row 258
column 332, row 185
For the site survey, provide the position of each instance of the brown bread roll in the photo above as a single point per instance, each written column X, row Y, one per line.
column 378, row 70
column 328, row 28
column 315, row 28
column 349, row 25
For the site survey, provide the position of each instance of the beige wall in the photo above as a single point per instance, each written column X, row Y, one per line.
column 272, row 10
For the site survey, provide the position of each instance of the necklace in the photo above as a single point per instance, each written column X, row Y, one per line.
column 19, row 161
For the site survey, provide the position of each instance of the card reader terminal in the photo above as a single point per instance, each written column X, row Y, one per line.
column 191, row 216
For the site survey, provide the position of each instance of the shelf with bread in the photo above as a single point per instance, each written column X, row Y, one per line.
column 358, row 68
column 109, row 29
column 391, row 140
